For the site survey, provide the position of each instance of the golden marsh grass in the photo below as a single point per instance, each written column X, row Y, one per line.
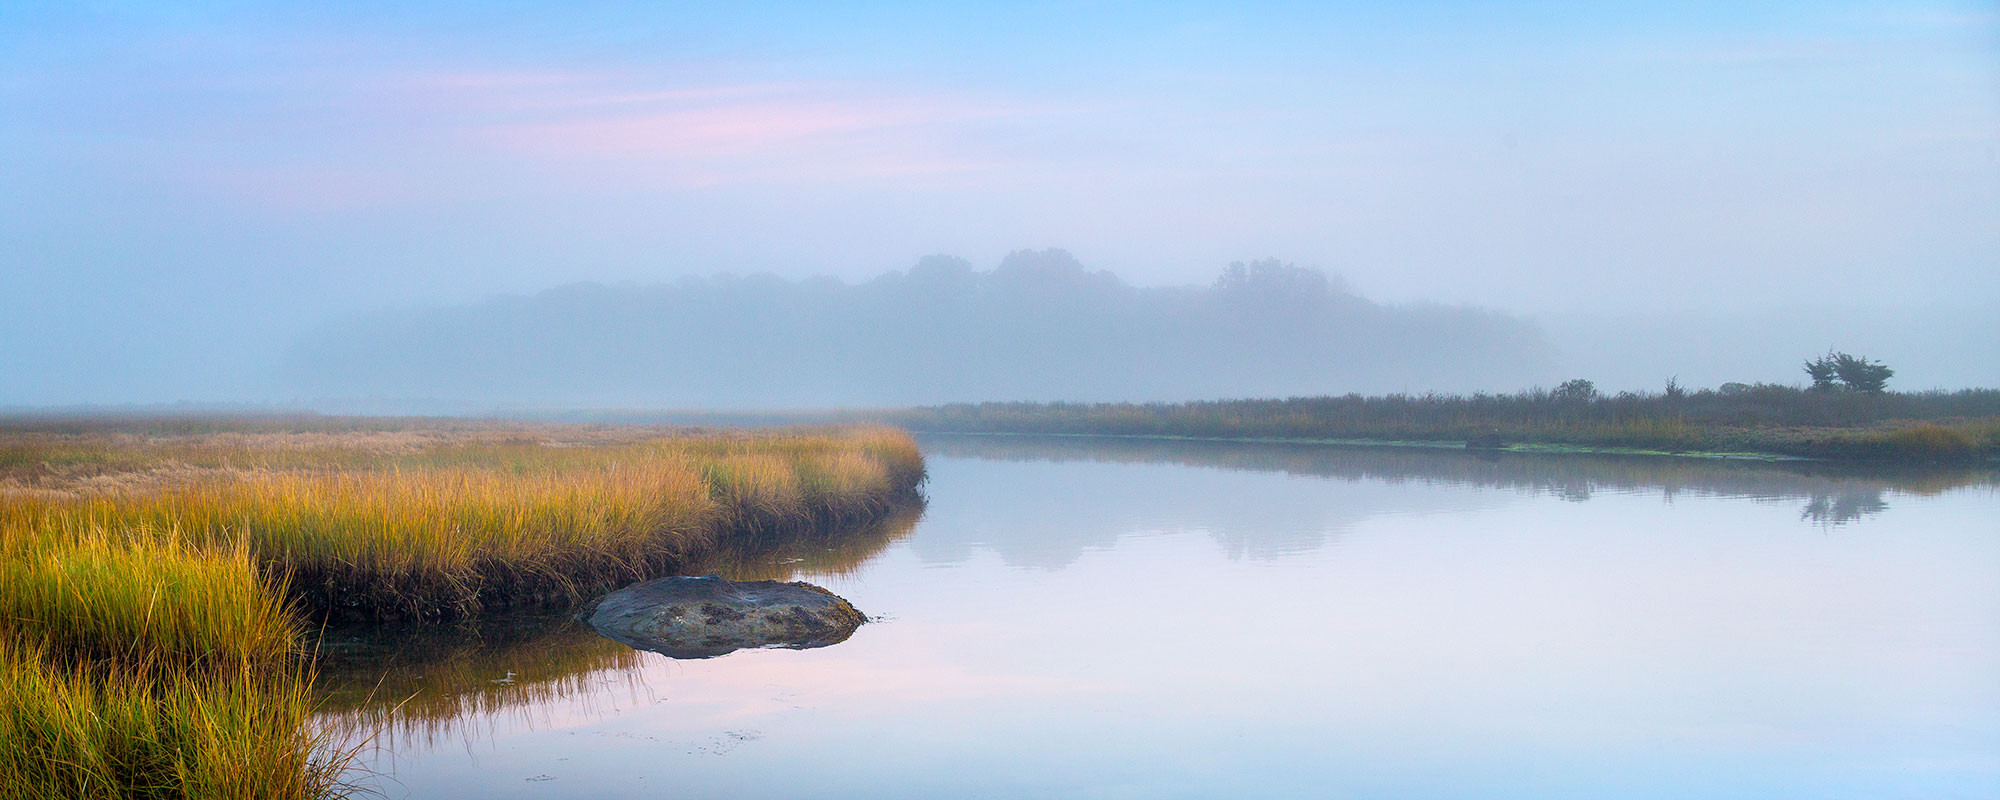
column 155, row 579
column 391, row 524
column 70, row 730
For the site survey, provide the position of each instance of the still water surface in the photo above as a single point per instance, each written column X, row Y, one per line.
column 1106, row 618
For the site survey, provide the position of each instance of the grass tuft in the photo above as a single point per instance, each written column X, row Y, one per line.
column 70, row 730
column 140, row 596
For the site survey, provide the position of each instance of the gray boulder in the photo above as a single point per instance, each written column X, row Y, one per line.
column 707, row 617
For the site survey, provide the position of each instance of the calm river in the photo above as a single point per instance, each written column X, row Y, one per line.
column 1120, row 618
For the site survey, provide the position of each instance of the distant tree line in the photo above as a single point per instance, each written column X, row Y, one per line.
column 1040, row 326
column 1763, row 417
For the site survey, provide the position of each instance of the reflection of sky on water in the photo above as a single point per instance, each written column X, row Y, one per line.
column 1048, row 518
column 1138, row 628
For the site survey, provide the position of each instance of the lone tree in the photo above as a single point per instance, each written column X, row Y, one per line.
column 1857, row 373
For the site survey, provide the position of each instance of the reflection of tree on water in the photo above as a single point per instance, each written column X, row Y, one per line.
column 417, row 684
column 1840, row 507
column 1833, row 493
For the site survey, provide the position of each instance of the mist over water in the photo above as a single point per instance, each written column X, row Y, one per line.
column 1039, row 326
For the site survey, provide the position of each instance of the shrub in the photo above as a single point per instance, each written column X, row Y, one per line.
column 1575, row 390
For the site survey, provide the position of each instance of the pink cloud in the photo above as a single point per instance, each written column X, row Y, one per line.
column 712, row 130
column 700, row 134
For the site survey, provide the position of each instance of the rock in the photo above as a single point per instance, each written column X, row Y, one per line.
column 707, row 617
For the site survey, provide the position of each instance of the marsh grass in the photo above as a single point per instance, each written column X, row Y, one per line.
column 141, row 597
column 398, row 524
column 72, row 730
column 135, row 663
column 1770, row 419
column 154, row 582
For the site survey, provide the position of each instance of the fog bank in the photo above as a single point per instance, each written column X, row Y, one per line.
column 1039, row 326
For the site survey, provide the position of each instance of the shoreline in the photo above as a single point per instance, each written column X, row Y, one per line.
column 1445, row 445
column 168, row 584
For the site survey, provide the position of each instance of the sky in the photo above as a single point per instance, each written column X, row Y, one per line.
column 191, row 186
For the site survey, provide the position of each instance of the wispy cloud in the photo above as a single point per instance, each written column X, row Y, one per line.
column 717, row 130
column 732, row 128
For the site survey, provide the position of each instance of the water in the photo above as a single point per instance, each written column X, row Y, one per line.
column 1106, row 618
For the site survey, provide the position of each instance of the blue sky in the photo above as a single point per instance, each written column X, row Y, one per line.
column 191, row 182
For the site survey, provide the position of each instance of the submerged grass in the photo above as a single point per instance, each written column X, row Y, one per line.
column 154, row 585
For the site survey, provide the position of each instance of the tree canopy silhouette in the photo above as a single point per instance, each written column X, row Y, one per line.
column 1039, row 326
column 1855, row 373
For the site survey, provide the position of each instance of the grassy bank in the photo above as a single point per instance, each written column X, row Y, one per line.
column 155, row 577
column 1776, row 420
column 418, row 682
column 441, row 523
column 136, row 665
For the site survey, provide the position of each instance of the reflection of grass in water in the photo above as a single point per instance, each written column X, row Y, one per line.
column 1574, row 477
column 414, row 683
column 783, row 555
column 411, row 684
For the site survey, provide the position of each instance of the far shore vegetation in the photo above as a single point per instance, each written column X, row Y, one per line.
column 159, row 577
column 1830, row 422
